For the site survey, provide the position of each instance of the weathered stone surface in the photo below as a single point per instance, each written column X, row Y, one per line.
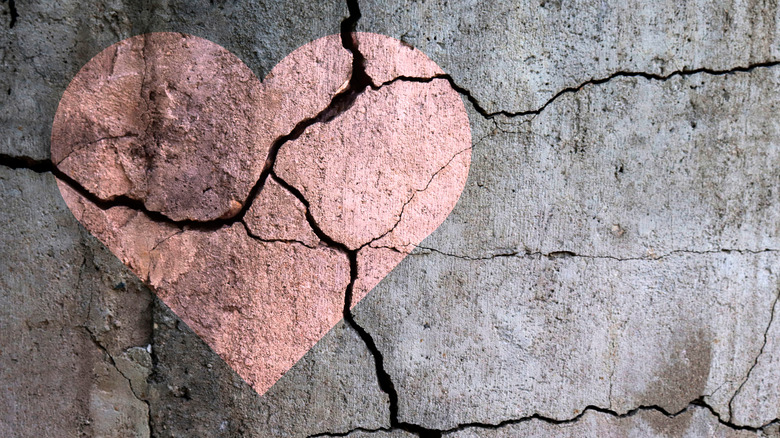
column 694, row 422
column 50, row 42
column 514, row 56
column 606, row 252
column 62, row 321
column 488, row 340
column 757, row 401
column 260, row 305
column 631, row 168
column 181, row 125
column 511, row 56
column 164, row 110
column 359, row 171
column 388, row 170
column 332, row 389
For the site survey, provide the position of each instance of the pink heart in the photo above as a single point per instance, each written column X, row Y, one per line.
column 250, row 208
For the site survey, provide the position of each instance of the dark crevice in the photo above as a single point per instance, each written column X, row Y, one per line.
column 350, row 432
column 755, row 361
column 699, row 402
column 13, row 13
column 16, row 162
column 569, row 90
column 340, row 103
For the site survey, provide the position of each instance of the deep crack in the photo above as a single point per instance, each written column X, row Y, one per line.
column 699, row 402
column 569, row 90
column 14, row 14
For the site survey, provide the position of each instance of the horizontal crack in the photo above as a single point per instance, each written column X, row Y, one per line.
column 568, row 90
column 591, row 408
column 564, row 253
column 260, row 239
column 699, row 402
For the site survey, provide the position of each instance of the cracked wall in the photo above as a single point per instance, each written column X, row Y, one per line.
column 610, row 268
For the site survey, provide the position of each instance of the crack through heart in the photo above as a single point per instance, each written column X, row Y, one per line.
column 260, row 213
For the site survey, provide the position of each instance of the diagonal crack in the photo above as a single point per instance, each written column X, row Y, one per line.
column 414, row 194
column 340, row 103
column 758, row 356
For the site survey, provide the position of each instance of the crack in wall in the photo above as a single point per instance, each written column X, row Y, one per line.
column 414, row 194
column 699, row 402
column 13, row 12
column 565, row 253
column 94, row 338
column 594, row 81
column 112, row 362
column 758, row 356
column 341, row 102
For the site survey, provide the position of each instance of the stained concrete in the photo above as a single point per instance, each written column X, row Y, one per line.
column 618, row 249
column 694, row 422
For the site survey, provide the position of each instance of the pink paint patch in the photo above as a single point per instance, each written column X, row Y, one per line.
column 164, row 142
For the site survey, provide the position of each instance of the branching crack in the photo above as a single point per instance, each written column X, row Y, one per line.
column 341, row 102
column 113, row 363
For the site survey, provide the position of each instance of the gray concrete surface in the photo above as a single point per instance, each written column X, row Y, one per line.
column 610, row 270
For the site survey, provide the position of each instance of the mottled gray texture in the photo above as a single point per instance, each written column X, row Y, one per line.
column 51, row 41
column 68, row 307
column 513, row 56
column 332, row 389
column 617, row 249
column 695, row 422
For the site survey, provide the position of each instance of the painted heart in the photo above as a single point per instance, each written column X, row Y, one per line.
column 252, row 208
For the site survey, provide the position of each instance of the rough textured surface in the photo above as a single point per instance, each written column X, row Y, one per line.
column 333, row 388
column 50, row 42
column 65, row 299
column 158, row 111
column 694, row 422
column 628, row 225
column 617, row 250
column 514, row 56
column 277, row 214
column 181, row 124
column 389, row 169
column 175, row 128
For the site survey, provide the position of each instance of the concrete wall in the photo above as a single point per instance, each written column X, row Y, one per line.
column 611, row 268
